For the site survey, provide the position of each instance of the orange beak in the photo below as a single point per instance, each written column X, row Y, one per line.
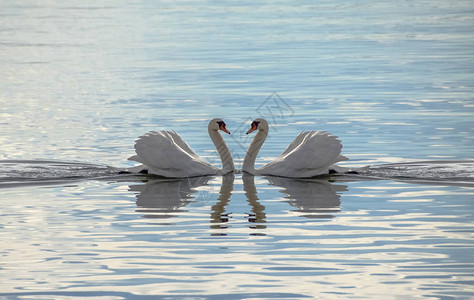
column 253, row 128
column 222, row 127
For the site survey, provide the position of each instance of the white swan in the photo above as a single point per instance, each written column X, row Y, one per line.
column 311, row 153
column 166, row 154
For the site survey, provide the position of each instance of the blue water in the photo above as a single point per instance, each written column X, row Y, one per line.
column 81, row 80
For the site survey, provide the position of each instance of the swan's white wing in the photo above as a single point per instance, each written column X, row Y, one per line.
column 181, row 143
column 296, row 142
column 312, row 153
column 166, row 154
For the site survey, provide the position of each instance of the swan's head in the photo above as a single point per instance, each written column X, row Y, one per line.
column 217, row 124
column 258, row 124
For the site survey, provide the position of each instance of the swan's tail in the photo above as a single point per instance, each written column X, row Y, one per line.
column 137, row 169
column 341, row 158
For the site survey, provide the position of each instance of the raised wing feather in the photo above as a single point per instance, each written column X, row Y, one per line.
column 166, row 154
column 296, row 142
column 311, row 153
column 181, row 143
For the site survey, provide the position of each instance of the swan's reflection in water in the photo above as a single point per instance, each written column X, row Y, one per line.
column 258, row 215
column 219, row 217
column 157, row 198
column 316, row 198
column 313, row 198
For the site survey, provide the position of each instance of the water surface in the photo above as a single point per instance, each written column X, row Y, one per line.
column 81, row 80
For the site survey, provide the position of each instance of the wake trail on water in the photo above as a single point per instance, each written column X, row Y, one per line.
column 17, row 173
column 447, row 172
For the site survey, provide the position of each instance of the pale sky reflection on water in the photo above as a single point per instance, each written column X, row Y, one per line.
column 80, row 81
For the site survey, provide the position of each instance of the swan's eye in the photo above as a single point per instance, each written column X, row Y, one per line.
column 221, row 123
column 255, row 124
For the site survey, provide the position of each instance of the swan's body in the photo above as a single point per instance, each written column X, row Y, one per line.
column 166, row 154
column 311, row 153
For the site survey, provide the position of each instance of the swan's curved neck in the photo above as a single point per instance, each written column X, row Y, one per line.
column 224, row 153
column 249, row 160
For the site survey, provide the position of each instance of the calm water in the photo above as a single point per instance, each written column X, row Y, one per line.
column 81, row 80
